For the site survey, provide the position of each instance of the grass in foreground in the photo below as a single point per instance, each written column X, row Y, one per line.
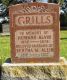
column 5, row 46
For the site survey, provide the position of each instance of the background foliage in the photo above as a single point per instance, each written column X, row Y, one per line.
column 5, row 2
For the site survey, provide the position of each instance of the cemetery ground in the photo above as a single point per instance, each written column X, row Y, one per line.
column 5, row 46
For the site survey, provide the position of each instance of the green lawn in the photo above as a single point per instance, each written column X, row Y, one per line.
column 63, row 44
column 5, row 46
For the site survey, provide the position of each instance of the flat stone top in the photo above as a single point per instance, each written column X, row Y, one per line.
column 33, row 64
column 61, row 62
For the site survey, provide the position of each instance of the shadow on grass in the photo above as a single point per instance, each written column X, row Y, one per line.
column 63, row 38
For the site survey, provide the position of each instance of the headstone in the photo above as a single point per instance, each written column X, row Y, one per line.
column 5, row 28
column 34, row 29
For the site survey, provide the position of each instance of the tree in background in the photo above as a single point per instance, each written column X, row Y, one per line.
column 60, row 2
column 0, row 1
column 5, row 2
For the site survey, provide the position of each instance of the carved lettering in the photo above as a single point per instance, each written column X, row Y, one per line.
column 25, row 20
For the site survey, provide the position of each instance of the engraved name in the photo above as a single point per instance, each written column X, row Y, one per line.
column 34, row 19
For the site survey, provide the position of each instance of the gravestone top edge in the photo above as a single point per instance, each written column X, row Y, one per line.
column 26, row 4
column 28, row 8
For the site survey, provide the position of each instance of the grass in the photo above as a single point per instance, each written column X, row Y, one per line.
column 5, row 46
column 63, row 44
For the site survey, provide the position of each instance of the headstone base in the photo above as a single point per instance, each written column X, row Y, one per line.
column 35, row 71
